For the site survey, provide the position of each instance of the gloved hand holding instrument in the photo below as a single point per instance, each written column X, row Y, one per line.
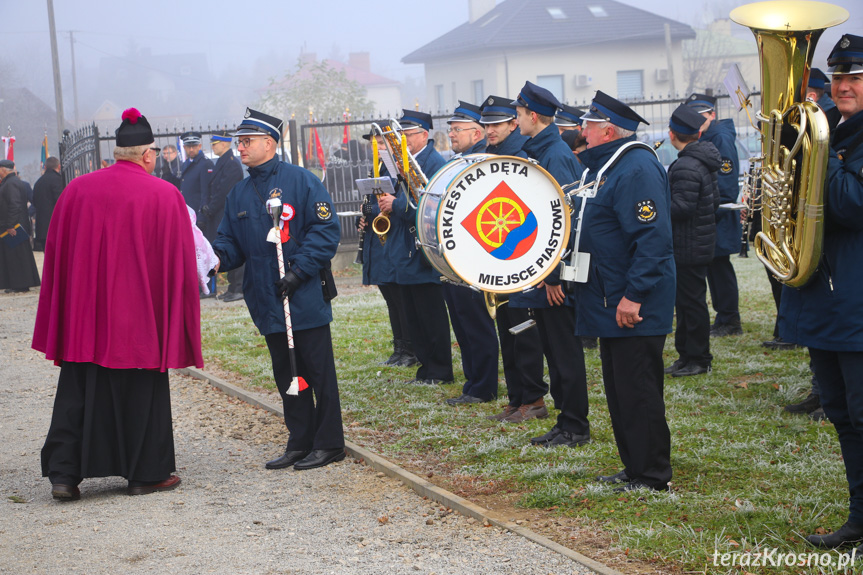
column 286, row 286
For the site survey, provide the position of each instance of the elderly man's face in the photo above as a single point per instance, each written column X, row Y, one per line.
column 463, row 135
column 847, row 91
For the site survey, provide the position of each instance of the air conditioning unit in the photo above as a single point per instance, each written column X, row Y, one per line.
column 583, row 81
column 662, row 74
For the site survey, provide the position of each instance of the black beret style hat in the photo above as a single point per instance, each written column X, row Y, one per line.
column 134, row 130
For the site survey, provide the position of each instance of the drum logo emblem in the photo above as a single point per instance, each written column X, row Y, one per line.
column 502, row 224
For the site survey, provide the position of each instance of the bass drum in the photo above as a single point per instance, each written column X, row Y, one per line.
column 496, row 223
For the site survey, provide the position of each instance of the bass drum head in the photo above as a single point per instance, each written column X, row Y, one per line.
column 503, row 224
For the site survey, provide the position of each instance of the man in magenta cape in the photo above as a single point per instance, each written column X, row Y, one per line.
column 118, row 307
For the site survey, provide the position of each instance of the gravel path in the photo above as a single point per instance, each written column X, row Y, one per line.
column 230, row 515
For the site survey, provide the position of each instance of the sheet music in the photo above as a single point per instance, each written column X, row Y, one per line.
column 388, row 161
column 376, row 186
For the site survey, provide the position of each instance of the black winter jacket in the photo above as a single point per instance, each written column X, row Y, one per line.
column 694, row 201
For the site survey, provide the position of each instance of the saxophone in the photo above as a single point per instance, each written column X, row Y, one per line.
column 788, row 180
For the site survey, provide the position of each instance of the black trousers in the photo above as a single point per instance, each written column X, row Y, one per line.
column 566, row 371
column 692, row 338
column 723, row 291
column 314, row 417
column 109, row 422
column 235, row 279
column 632, row 372
column 395, row 309
column 776, row 290
column 522, row 357
column 477, row 340
column 840, row 375
column 428, row 325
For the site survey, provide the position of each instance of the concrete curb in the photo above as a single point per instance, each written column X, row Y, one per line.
column 415, row 482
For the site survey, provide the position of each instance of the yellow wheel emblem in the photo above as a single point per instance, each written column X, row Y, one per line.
column 496, row 218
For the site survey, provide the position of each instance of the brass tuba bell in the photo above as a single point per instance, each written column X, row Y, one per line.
column 788, row 180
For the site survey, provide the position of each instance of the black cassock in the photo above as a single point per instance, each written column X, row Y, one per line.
column 18, row 269
column 46, row 192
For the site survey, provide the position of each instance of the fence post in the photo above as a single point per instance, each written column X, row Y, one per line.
column 292, row 134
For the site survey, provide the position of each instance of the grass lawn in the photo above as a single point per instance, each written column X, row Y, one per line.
column 747, row 476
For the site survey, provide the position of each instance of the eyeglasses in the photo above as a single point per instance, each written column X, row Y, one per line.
column 154, row 150
column 459, row 130
column 411, row 132
column 245, row 142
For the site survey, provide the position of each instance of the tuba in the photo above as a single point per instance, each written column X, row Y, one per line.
column 788, row 180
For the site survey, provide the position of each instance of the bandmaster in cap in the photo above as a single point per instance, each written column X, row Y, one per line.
column 415, row 119
column 257, row 123
column 537, row 99
column 134, row 130
column 497, row 109
column 568, row 116
column 465, row 112
column 686, row 120
column 604, row 108
column 847, row 56
column 701, row 102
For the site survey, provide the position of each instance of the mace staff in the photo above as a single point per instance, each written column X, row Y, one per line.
column 274, row 206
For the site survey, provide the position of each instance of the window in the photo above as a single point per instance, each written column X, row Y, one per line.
column 478, row 94
column 438, row 97
column 556, row 13
column 553, row 84
column 630, row 84
column 598, row 11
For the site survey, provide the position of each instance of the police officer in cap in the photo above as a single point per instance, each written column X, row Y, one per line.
column 550, row 306
column 473, row 327
column 419, row 283
column 194, row 173
column 310, row 237
column 721, row 278
column 824, row 315
column 628, row 300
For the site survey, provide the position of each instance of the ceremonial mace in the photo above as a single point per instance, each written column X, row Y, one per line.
column 274, row 206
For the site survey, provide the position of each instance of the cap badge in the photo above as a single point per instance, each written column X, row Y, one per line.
column 845, row 42
column 248, row 113
column 491, row 101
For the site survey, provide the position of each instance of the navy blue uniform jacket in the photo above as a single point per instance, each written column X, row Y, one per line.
column 226, row 173
column 377, row 269
column 195, row 179
column 627, row 232
column 409, row 264
column 729, row 229
column 314, row 231
column 826, row 313
column 512, row 146
column 552, row 153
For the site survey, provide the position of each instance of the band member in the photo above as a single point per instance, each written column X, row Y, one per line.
column 721, row 278
column 310, row 237
column 473, row 327
column 628, row 300
column 825, row 314
column 551, row 307
column 418, row 281
column 694, row 201
column 116, row 314
column 379, row 271
column 568, row 118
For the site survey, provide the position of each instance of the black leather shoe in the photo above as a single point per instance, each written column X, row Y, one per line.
column 62, row 492
column 726, row 329
column 232, row 296
column 429, row 381
column 568, row 439
column 818, row 415
column 808, row 405
column 546, row 437
column 691, row 369
column 619, row 477
column 319, row 458
column 848, row 533
column 678, row 364
column 145, row 488
column 778, row 343
column 286, row 460
column 465, row 398
column 210, row 295
column 635, row 484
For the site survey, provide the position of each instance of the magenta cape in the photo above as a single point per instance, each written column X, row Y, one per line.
column 119, row 286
